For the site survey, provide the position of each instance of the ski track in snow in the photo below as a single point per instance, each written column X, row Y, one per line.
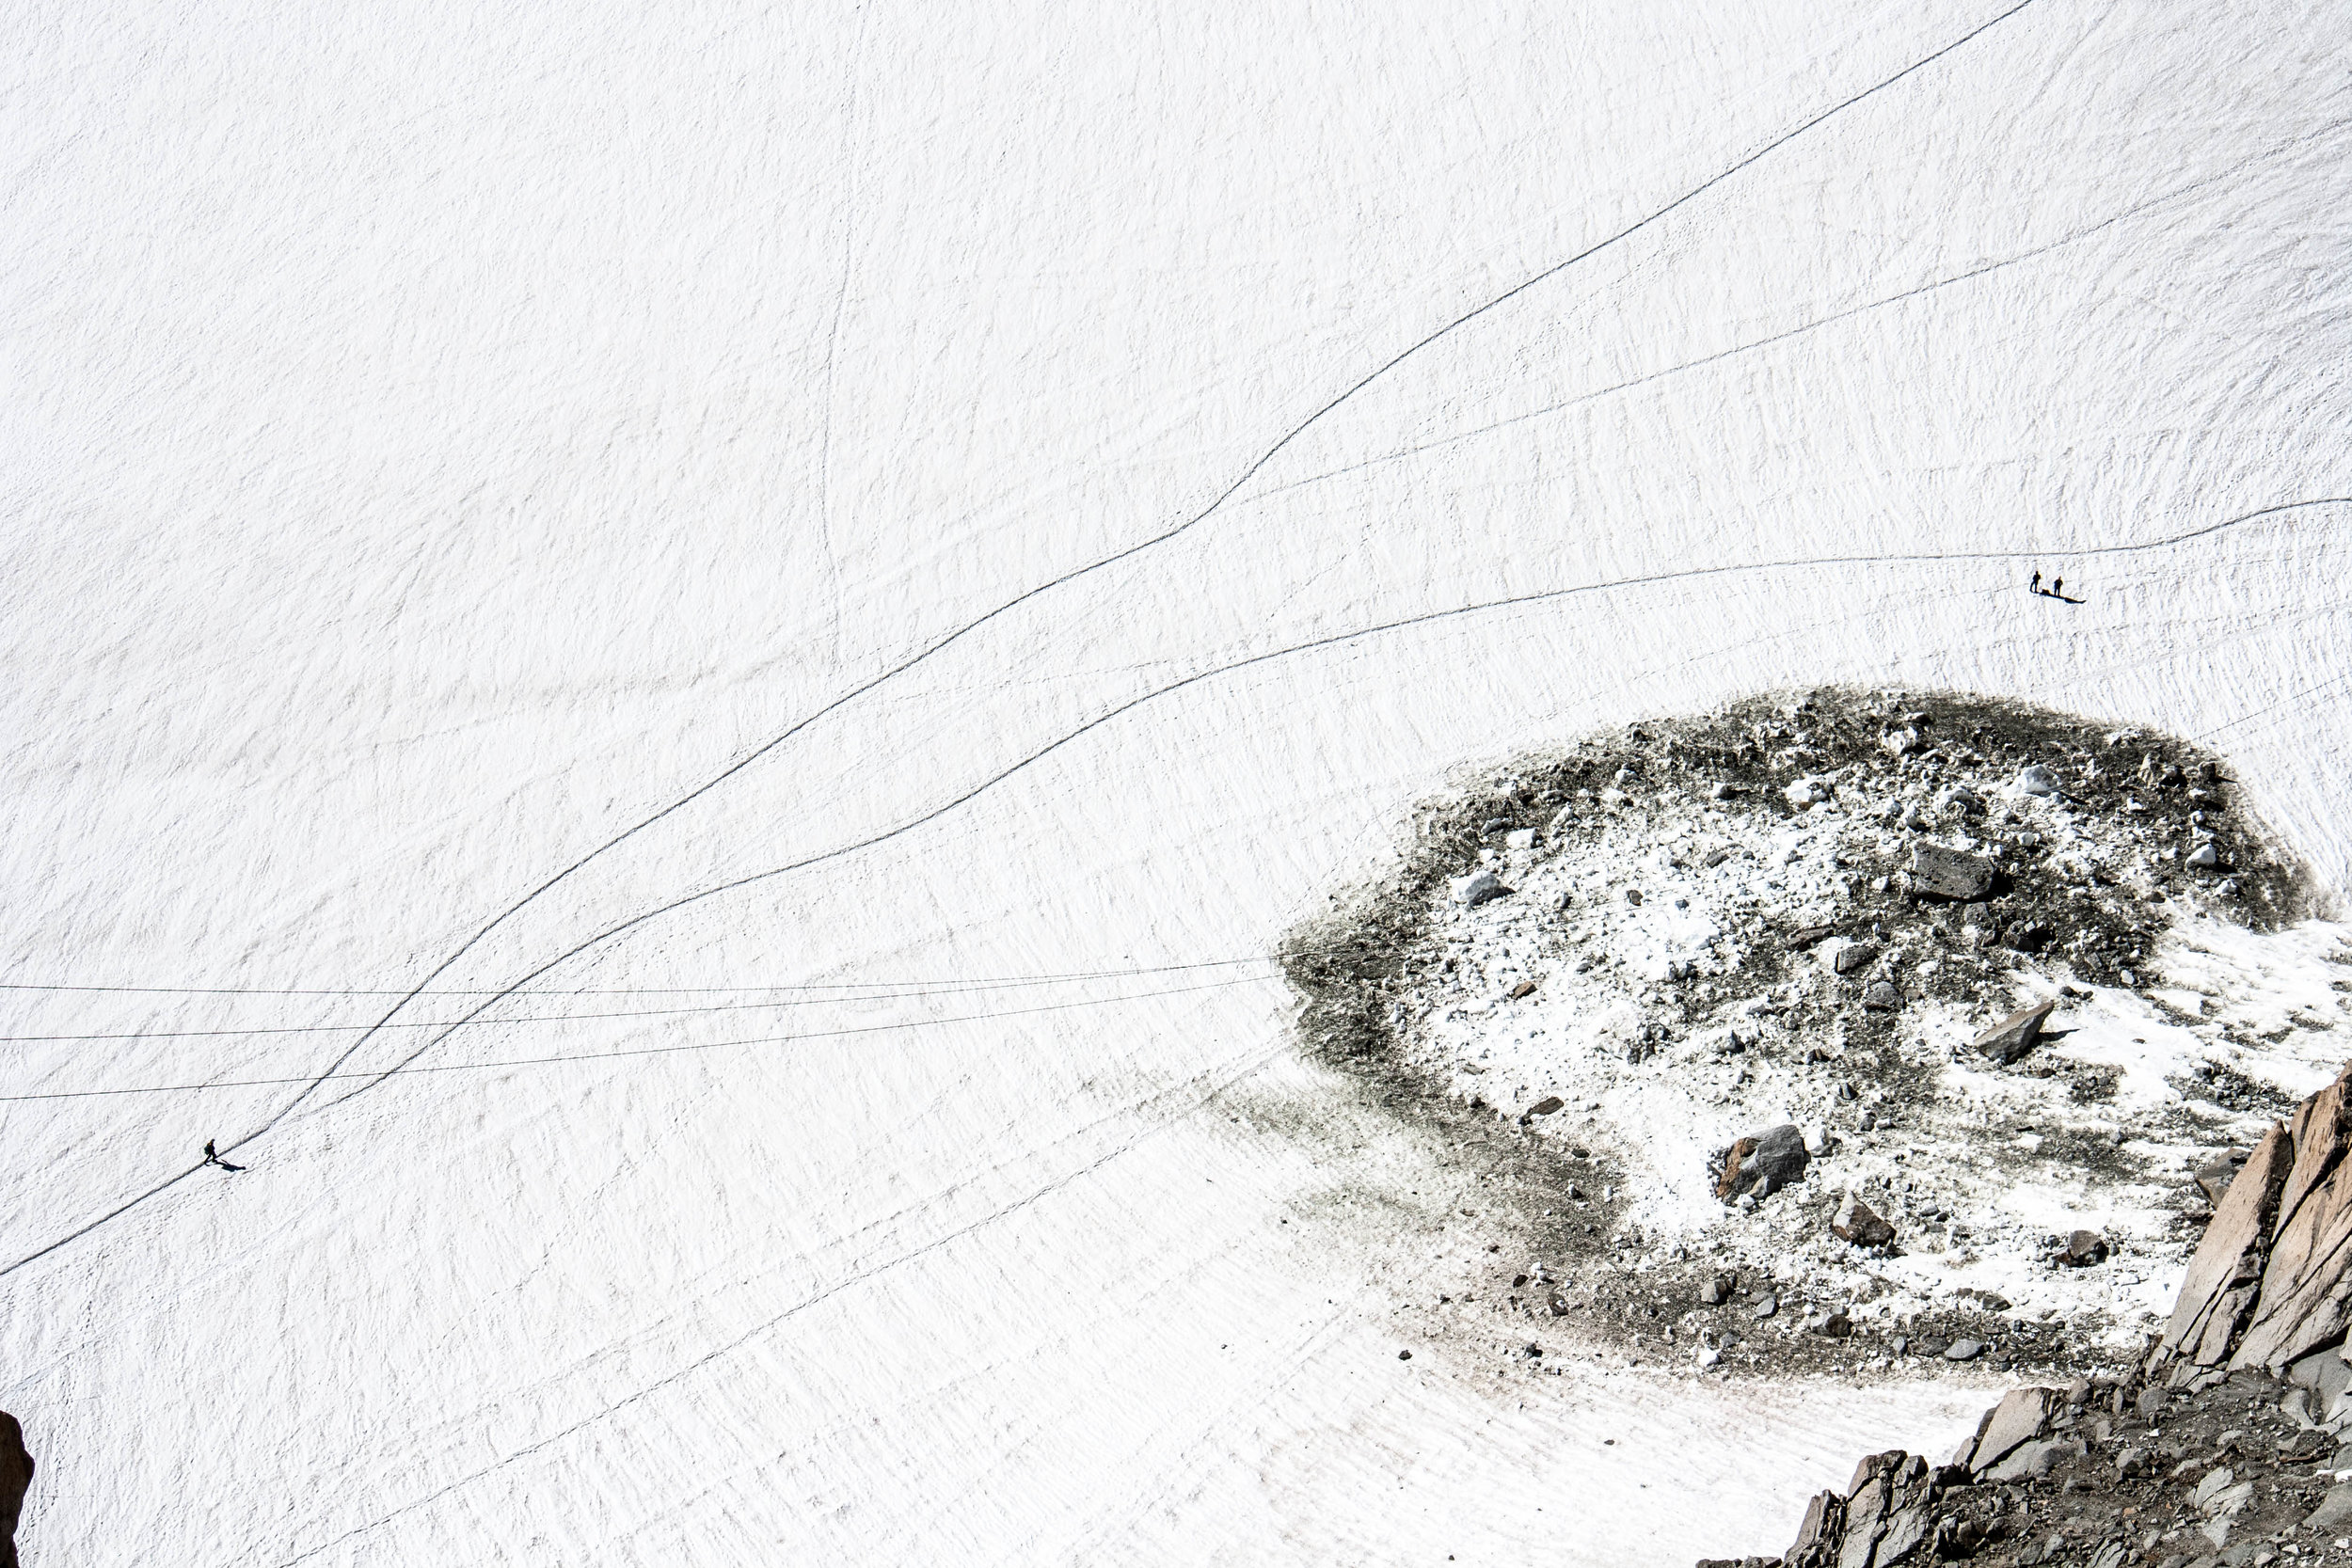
column 532, row 1307
column 966, row 629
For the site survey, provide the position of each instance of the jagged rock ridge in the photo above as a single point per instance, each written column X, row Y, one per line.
column 2205, row 1455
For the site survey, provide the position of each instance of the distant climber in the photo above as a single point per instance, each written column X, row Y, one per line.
column 2035, row 586
column 211, row 1157
column 2058, row 588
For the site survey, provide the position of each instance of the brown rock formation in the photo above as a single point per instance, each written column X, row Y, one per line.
column 2305, row 1284
column 2269, row 1292
column 2218, row 1292
column 2272, row 1280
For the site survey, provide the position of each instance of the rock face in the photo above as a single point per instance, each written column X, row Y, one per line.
column 2272, row 1280
column 2013, row 1035
column 1884, row 1518
column 16, row 1475
column 2268, row 1296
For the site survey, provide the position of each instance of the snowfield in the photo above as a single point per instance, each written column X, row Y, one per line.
column 443, row 438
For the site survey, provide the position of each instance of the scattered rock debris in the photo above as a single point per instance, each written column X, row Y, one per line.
column 1966, row 977
column 2228, row 1443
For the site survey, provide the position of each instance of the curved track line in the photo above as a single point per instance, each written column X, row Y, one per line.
column 691, row 1046
column 1547, row 596
column 1982, row 270
column 1072, row 576
column 1427, row 617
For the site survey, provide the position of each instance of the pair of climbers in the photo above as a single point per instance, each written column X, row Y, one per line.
column 2056, row 590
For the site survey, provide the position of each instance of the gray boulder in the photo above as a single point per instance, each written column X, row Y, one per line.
column 2015, row 1035
column 1952, row 873
column 1477, row 888
column 1763, row 1164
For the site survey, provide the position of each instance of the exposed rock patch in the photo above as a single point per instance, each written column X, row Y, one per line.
column 2227, row 1445
column 16, row 1477
column 1958, row 944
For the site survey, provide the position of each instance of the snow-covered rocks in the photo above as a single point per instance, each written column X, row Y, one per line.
column 2036, row 780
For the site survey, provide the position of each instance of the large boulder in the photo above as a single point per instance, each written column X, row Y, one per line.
column 2013, row 1035
column 1763, row 1164
column 1953, row 874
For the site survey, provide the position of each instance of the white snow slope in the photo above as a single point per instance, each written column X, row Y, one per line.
column 439, row 437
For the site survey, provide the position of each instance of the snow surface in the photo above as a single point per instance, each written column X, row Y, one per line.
column 441, row 436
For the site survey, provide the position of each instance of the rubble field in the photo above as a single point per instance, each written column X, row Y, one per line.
column 2101, row 1474
column 2228, row 1446
column 1864, row 1033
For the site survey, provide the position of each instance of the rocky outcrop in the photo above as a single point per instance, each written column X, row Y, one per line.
column 1900, row 1508
column 2272, row 1280
column 2250, row 1370
column 16, row 1475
